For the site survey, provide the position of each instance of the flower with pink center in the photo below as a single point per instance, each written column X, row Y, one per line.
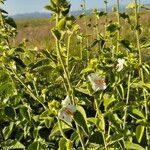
column 98, row 82
column 66, row 113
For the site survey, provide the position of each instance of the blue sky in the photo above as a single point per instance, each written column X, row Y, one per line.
column 28, row 6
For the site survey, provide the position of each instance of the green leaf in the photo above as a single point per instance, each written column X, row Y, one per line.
column 24, row 111
column 126, row 44
column 133, row 146
column 131, row 6
column 92, row 120
column 146, row 68
column 57, row 2
column 99, row 123
column 11, row 22
column 96, row 137
column 19, row 135
column 80, row 117
column 61, row 24
column 115, row 138
column 18, row 145
column 125, row 17
column 74, row 136
column 43, row 68
column 56, row 131
column 138, row 113
column 113, row 27
column 36, row 132
column 8, row 130
column 146, row 44
column 56, row 34
column 51, row 8
column 69, row 145
column 147, row 85
column 93, row 146
column 139, row 132
column 115, row 120
column 62, row 144
column 19, row 62
column 4, row 76
column 36, row 146
column 83, row 90
column 87, row 70
column 3, row 11
column 48, row 122
column 119, row 106
column 10, row 112
column 65, row 11
column 108, row 101
column 8, row 89
column 41, row 62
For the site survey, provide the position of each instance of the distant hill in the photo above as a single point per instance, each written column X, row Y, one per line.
column 47, row 15
column 31, row 15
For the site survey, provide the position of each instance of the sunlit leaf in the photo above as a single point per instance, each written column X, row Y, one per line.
column 56, row 131
column 80, row 117
column 139, row 132
column 36, row 146
column 129, row 146
column 24, row 111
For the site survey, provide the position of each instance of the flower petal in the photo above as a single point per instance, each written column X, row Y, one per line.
column 98, row 83
column 71, row 108
column 66, row 101
column 95, row 87
column 64, row 116
column 120, row 64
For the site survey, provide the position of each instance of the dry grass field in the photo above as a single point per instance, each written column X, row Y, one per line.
column 37, row 31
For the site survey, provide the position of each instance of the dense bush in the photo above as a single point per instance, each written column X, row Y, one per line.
column 95, row 98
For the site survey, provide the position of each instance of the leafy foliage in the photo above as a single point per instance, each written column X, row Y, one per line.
column 33, row 84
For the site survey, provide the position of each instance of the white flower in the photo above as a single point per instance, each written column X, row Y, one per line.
column 66, row 101
column 66, row 113
column 120, row 64
column 98, row 83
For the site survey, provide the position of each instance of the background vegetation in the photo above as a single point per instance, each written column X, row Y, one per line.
column 44, row 61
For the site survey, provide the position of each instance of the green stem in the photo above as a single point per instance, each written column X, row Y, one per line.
column 70, row 87
column 137, row 32
column 65, row 86
column 97, row 27
column 80, row 137
column 81, row 50
column 62, row 63
column 61, row 130
column 102, row 119
column 141, row 70
column 36, row 91
column 68, row 51
column 85, row 22
column 127, row 101
column 29, row 90
column 105, row 5
column 118, row 18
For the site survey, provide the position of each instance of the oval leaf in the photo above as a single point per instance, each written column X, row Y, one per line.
column 133, row 146
column 79, row 117
column 139, row 132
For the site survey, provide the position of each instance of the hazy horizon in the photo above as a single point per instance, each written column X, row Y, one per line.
column 14, row 7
